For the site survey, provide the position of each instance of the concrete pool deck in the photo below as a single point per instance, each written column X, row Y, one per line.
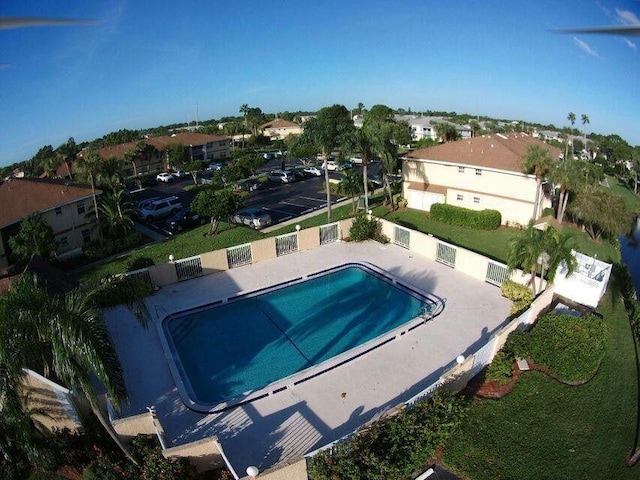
column 309, row 415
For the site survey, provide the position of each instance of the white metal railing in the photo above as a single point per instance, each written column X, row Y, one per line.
column 287, row 243
column 483, row 357
column 401, row 236
column 187, row 268
column 446, row 254
column 497, row 273
column 142, row 272
column 239, row 255
column 329, row 233
column 424, row 394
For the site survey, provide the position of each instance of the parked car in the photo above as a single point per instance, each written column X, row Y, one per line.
column 252, row 217
column 313, row 171
column 280, row 176
column 164, row 177
column 215, row 166
column 330, row 165
column 297, row 175
column 251, row 184
column 179, row 174
column 159, row 208
column 356, row 160
column 146, row 202
column 185, row 218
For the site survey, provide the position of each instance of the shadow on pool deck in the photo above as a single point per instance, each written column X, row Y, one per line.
column 321, row 410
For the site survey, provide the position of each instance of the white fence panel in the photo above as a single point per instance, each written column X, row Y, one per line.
column 483, row 357
column 329, row 233
column 426, row 393
column 143, row 273
column 286, row 244
column 187, row 268
column 446, row 254
column 496, row 273
column 239, row 255
column 401, row 236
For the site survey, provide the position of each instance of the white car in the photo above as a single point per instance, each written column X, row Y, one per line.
column 164, row 177
column 330, row 165
column 314, row 171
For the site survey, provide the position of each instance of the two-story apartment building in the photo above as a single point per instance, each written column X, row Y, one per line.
column 476, row 173
column 63, row 206
column 279, row 129
column 425, row 127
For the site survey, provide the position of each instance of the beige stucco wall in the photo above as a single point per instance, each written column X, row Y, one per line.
column 69, row 224
column 512, row 193
column 422, row 244
column 263, row 249
column 309, row 238
column 163, row 274
column 215, row 261
column 292, row 470
column 344, row 227
column 282, row 132
column 129, row 427
column 55, row 402
column 202, row 454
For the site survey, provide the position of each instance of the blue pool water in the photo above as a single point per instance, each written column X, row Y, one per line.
column 246, row 344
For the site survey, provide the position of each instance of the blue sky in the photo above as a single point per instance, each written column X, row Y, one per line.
column 143, row 63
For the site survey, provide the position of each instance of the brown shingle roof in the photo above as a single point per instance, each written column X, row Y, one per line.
column 279, row 123
column 502, row 152
column 21, row 196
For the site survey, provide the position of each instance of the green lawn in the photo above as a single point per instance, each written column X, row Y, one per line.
column 547, row 430
column 632, row 200
column 493, row 243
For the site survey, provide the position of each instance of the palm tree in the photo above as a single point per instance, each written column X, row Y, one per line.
column 351, row 185
column 66, row 154
column 572, row 118
column 65, row 335
column 116, row 211
column 109, row 175
column 363, row 140
column 525, row 251
column 244, row 109
column 538, row 161
column 560, row 246
column 89, row 167
column 585, row 122
column 388, row 153
column 565, row 175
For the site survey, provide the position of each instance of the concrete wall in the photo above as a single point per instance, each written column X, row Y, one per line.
column 163, row 274
column 309, row 238
column 343, row 227
column 202, row 454
column 292, row 470
column 129, row 427
column 215, row 261
column 264, row 249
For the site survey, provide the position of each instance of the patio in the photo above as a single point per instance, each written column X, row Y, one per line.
column 309, row 415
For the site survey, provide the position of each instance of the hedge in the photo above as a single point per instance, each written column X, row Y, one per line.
column 464, row 217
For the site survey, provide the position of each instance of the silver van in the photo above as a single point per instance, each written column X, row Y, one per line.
column 159, row 208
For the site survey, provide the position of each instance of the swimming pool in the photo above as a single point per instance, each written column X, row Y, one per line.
column 228, row 352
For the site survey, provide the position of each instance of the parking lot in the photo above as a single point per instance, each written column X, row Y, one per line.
column 281, row 201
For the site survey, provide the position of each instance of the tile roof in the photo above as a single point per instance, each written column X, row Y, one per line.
column 279, row 123
column 186, row 139
column 21, row 196
column 502, row 152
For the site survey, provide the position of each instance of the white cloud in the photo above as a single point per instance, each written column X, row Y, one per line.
column 629, row 43
column 627, row 17
column 584, row 46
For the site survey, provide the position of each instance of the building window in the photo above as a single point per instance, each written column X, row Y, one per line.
column 460, row 169
column 478, row 171
column 222, row 144
column 64, row 241
column 86, row 236
column 459, row 197
column 81, row 208
column 58, row 210
column 476, row 199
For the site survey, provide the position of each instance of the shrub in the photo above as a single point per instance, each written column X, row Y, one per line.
column 138, row 263
column 364, row 228
column 519, row 294
column 571, row 347
column 399, row 201
column 464, row 217
column 500, row 369
column 393, row 447
column 548, row 212
column 125, row 290
column 516, row 344
column 101, row 248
